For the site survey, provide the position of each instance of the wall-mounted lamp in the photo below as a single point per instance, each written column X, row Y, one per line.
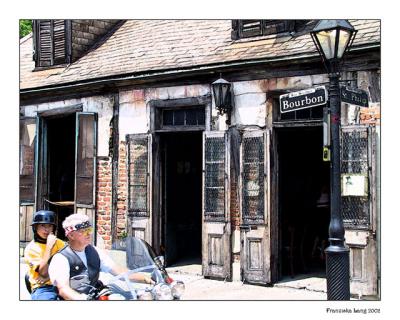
column 223, row 97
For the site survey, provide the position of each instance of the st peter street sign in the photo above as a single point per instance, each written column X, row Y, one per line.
column 354, row 96
column 303, row 99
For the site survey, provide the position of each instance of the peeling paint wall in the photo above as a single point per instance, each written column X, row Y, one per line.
column 102, row 105
column 134, row 112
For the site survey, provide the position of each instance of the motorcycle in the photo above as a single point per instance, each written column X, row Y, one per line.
column 138, row 256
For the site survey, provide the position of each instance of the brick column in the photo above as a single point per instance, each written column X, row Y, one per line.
column 122, row 192
column 104, row 196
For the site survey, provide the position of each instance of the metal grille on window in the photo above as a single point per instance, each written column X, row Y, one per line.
column 253, row 180
column 138, row 176
column 214, row 197
column 354, row 161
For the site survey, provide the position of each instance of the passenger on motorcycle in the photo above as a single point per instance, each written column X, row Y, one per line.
column 38, row 253
column 75, row 269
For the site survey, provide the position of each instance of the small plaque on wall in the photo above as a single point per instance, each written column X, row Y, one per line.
column 354, row 185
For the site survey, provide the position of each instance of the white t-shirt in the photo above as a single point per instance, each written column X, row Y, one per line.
column 59, row 265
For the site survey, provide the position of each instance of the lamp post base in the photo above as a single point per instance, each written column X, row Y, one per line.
column 338, row 273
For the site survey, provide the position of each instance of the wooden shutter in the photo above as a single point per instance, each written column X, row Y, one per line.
column 139, row 185
column 50, row 42
column 59, row 40
column 85, row 166
column 27, row 136
column 216, row 229
column 255, row 231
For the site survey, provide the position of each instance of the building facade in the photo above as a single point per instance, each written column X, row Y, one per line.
column 118, row 121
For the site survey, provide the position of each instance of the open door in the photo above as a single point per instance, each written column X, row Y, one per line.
column 41, row 165
column 359, row 207
column 85, row 164
column 255, row 253
column 139, row 186
column 216, row 230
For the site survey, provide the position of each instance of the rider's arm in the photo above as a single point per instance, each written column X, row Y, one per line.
column 108, row 265
column 43, row 265
column 141, row 277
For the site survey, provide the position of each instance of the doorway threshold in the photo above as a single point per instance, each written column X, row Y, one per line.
column 311, row 282
column 188, row 266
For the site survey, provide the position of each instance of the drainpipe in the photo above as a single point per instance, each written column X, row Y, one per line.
column 114, row 154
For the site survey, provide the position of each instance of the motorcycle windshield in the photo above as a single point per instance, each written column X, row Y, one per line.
column 137, row 254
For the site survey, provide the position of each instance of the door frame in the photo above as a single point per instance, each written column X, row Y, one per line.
column 276, row 221
column 155, row 108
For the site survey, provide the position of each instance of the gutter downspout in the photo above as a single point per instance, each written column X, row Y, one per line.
column 114, row 153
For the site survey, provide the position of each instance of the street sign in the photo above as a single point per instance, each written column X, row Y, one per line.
column 303, row 99
column 354, row 96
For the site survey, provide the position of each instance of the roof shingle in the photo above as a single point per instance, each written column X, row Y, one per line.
column 149, row 45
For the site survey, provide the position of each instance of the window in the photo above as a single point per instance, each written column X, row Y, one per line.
column 193, row 116
column 52, row 42
column 253, row 28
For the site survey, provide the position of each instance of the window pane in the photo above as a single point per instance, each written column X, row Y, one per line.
column 179, row 117
column 168, row 118
column 191, row 119
column 200, row 116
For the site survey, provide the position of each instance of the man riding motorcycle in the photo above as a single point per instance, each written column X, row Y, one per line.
column 75, row 269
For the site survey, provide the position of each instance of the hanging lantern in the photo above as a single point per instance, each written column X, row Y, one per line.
column 222, row 96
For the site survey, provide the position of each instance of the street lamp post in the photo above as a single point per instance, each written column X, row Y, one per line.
column 332, row 39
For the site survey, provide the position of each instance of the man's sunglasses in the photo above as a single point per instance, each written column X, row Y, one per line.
column 85, row 231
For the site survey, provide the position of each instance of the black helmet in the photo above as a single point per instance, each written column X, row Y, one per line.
column 44, row 216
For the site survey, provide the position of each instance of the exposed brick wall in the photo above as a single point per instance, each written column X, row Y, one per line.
column 104, row 200
column 122, row 204
column 371, row 115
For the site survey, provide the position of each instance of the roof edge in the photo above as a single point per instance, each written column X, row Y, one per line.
column 186, row 70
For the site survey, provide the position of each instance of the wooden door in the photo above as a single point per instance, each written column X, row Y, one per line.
column 359, row 206
column 216, row 229
column 139, row 186
column 41, row 165
column 255, row 251
column 85, row 164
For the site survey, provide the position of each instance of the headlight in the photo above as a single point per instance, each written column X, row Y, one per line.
column 177, row 289
column 162, row 292
column 144, row 295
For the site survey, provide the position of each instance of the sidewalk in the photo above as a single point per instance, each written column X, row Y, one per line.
column 198, row 288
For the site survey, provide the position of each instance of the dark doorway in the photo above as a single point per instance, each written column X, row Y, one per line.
column 304, row 180
column 182, row 180
column 61, row 166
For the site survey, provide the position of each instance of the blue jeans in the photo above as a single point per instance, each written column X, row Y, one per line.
column 45, row 293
